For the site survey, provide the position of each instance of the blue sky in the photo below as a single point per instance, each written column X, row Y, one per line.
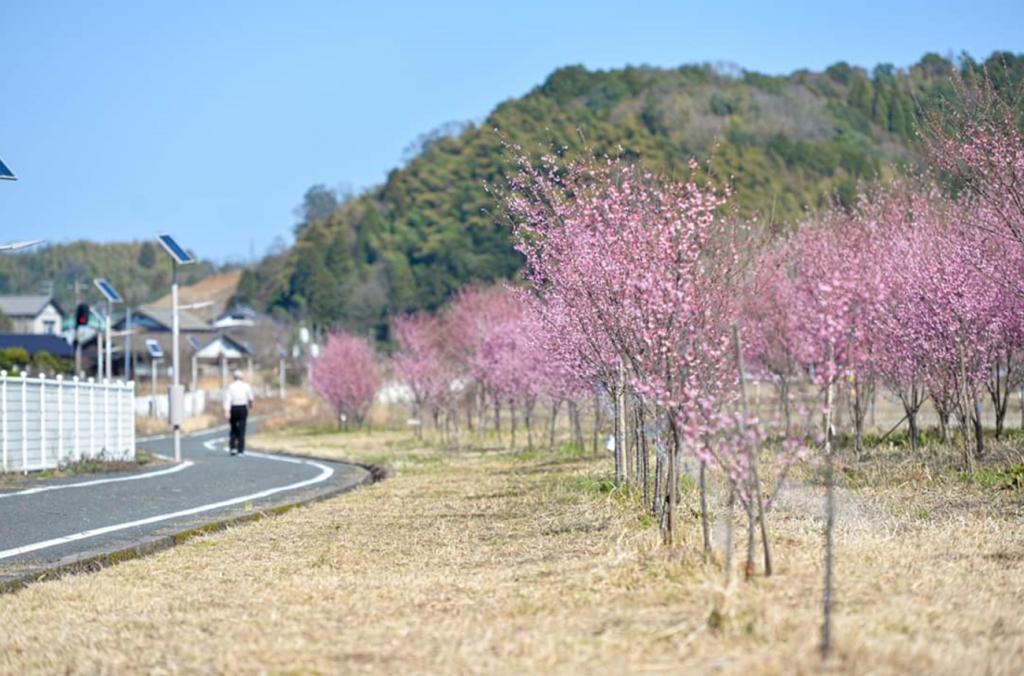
column 210, row 119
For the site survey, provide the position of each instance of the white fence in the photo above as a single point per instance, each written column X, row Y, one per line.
column 158, row 406
column 47, row 422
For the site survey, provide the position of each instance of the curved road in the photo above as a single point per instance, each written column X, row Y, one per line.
column 64, row 520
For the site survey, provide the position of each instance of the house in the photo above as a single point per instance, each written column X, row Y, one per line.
column 154, row 323
column 34, row 344
column 33, row 314
column 222, row 350
column 238, row 315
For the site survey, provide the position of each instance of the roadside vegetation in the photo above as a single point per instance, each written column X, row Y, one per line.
column 513, row 561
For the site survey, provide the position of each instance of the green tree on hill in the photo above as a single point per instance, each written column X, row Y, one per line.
column 787, row 144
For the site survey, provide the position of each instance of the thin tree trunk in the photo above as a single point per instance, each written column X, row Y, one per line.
column 658, row 502
column 512, row 424
column 621, row 454
column 786, row 407
column 645, row 467
column 979, row 432
column 528, row 418
column 597, row 425
column 858, row 417
column 672, row 484
column 482, row 408
column 830, row 516
column 704, row 526
column 750, row 569
column 497, row 416
column 554, row 420
column 753, row 457
column 730, row 507
column 577, row 427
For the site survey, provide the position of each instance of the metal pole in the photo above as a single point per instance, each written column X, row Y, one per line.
column 152, row 376
column 174, row 351
column 99, row 355
column 110, row 342
column 127, row 343
column 281, row 378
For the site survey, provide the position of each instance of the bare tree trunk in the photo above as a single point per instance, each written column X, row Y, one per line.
column 786, row 407
column 645, row 463
column 911, row 400
column 554, row 421
column 979, row 432
column 704, row 526
column 672, row 484
column 830, row 521
column 943, row 423
column 730, row 506
column 621, row 454
column 513, row 422
column 659, row 470
column 497, row 416
column 858, row 417
column 754, row 452
column 750, row 569
column 528, row 418
column 482, row 408
column 999, row 390
column 577, row 427
column 597, row 425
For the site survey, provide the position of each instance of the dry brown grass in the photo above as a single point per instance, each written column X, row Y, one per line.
column 512, row 563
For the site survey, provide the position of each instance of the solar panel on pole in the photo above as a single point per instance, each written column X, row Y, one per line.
column 179, row 256
column 17, row 246
column 107, row 290
column 154, row 349
column 6, row 173
column 177, row 252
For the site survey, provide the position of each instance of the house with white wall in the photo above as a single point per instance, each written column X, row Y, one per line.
column 33, row 314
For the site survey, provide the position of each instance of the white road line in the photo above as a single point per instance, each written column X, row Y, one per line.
column 96, row 482
column 211, row 445
column 325, row 473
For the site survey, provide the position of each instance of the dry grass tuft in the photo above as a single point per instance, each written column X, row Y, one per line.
column 524, row 562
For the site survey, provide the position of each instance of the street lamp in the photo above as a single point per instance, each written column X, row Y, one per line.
column 112, row 297
column 177, row 397
column 18, row 246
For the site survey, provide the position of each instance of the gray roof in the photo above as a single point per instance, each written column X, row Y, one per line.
column 186, row 320
column 25, row 306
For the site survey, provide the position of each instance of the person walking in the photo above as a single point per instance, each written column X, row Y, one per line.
column 237, row 402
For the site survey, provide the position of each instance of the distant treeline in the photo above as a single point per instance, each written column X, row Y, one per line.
column 796, row 144
column 140, row 271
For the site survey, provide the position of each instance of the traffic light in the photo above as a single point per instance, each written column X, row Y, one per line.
column 82, row 314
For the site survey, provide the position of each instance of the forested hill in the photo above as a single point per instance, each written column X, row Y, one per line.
column 793, row 143
column 140, row 271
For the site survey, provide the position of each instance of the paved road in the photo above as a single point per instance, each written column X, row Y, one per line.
column 49, row 522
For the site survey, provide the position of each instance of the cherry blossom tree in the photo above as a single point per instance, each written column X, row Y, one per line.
column 346, row 375
column 420, row 363
column 636, row 276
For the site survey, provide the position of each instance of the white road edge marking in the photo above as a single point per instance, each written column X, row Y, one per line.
column 96, row 482
column 325, row 473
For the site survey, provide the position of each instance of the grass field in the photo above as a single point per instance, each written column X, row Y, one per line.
column 508, row 562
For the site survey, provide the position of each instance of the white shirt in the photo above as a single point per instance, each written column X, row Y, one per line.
column 238, row 394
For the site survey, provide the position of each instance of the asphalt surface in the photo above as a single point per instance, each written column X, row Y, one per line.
column 43, row 523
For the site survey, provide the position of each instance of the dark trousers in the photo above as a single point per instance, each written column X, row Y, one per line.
column 236, row 441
